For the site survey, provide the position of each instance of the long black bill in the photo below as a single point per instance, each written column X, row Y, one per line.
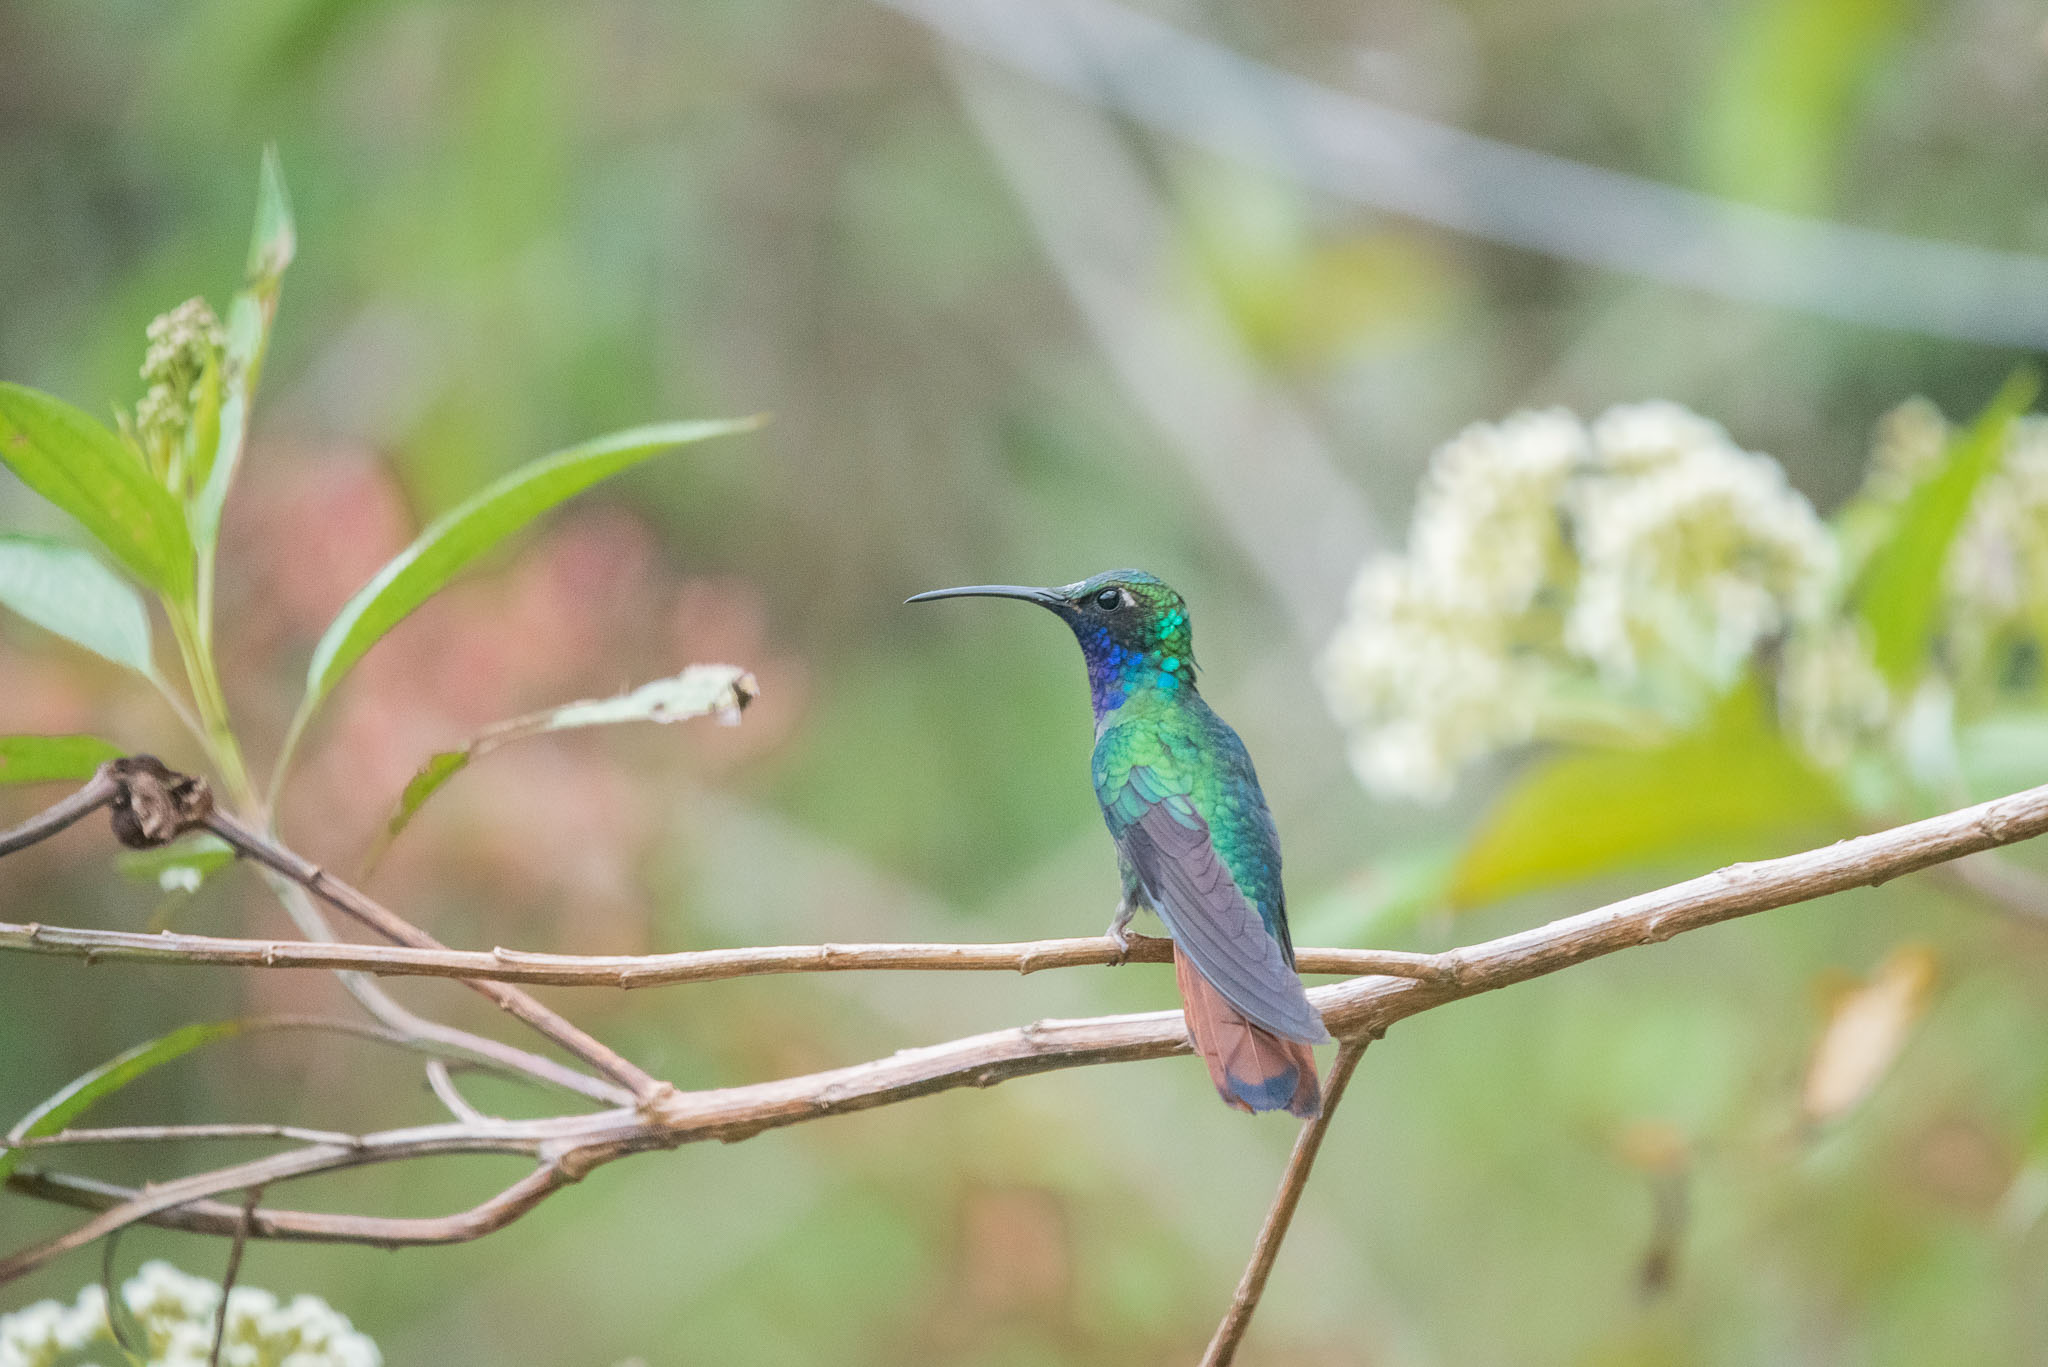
column 1045, row 598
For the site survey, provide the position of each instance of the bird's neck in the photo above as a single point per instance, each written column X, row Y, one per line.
column 1117, row 676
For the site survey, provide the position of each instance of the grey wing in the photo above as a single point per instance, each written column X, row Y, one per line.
column 1216, row 924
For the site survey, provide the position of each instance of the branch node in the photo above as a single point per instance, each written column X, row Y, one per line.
column 654, row 1100
column 154, row 804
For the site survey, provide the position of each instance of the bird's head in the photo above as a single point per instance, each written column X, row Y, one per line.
column 1132, row 627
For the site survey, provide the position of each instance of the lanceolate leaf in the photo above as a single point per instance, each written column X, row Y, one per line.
column 110, row 1077
column 47, row 759
column 1901, row 587
column 70, row 459
column 459, row 537
column 700, row 690
column 1734, row 788
column 271, row 247
column 68, row 591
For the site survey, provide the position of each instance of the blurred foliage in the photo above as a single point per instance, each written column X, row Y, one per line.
column 516, row 226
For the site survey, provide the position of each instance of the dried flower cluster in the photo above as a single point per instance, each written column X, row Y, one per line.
column 175, row 1316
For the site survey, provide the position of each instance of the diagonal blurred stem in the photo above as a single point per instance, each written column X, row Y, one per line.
column 1108, row 237
column 217, row 733
column 1238, row 1318
column 1370, row 154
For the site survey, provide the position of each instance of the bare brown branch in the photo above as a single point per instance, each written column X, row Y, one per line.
column 160, row 1134
column 96, row 794
column 651, row 970
column 442, row 1083
column 544, row 1139
column 1238, row 1318
column 220, row 1219
column 1355, row 1010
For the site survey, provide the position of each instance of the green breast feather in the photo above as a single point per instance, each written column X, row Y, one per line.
column 1188, row 762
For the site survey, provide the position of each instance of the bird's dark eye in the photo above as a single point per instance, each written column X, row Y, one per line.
column 1109, row 600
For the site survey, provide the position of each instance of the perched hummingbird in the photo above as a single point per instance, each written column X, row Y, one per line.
column 1193, row 836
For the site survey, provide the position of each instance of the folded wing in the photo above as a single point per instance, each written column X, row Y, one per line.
column 1218, row 928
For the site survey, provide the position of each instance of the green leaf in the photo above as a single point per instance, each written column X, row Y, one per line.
column 1786, row 93
column 110, row 1077
column 1732, row 788
column 181, row 866
column 271, row 247
column 68, row 591
column 700, row 690
column 197, row 453
column 275, row 240
column 46, row 759
column 432, row 775
column 468, row 531
column 1900, row 590
column 77, row 464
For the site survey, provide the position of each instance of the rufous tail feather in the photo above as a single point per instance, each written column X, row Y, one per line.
column 1253, row 1069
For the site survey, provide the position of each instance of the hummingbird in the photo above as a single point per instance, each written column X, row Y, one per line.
column 1195, row 842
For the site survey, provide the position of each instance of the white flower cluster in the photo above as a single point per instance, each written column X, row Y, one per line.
column 181, row 342
column 1997, row 577
column 1445, row 654
column 1642, row 558
column 1691, row 550
column 175, row 1314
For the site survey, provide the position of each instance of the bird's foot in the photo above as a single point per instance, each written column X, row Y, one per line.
column 1119, row 932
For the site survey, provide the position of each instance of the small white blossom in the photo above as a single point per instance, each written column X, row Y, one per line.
column 1996, row 580
column 1691, row 549
column 1831, row 694
column 1486, row 527
column 181, row 343
column 1634, row 438
column 175, row 1313
column 1909, row 442
column 1425, row 685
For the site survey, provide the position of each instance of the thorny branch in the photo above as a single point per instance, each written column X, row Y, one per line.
column 659, row 1117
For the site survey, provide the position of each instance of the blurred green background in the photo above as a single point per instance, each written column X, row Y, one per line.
column 521, row 224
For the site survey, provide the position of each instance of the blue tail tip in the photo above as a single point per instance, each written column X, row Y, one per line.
column 1276, row 1093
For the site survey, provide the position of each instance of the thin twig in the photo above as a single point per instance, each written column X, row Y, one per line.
column 545, row 1139
column 120, row 1319
column 253, row 844
column 444, row 1088
column 652, row 970
column 1238, row 1318
column 97, row 793
column 227, row 1282
column 159, row 1134
column 300, row 1226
